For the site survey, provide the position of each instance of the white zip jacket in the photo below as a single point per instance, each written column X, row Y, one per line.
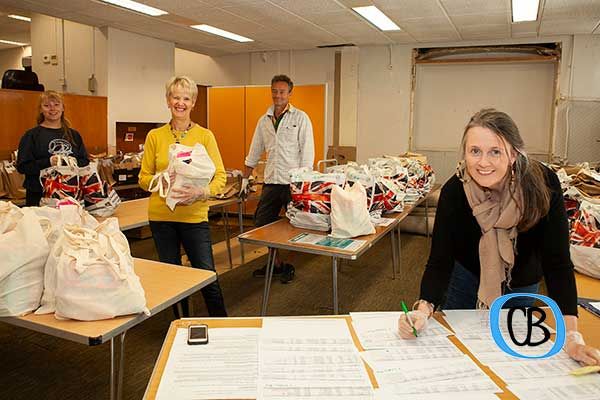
column 292, row 146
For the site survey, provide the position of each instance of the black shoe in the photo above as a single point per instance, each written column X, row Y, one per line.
column 260, row 273
column 288, row 273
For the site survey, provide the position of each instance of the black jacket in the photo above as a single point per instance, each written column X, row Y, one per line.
column 36, row 147
column 542, row 251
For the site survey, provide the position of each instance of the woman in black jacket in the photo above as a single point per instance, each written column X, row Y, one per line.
column 500, row 227
column 40, row 146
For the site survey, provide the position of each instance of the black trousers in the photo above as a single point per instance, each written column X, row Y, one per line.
column 272, row 199
column 195, row 238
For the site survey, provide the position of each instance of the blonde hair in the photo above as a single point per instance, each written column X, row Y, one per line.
column 184, row 83
column 65, row 125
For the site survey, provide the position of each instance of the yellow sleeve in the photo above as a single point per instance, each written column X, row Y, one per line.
column 148, row 168
column 218, row 182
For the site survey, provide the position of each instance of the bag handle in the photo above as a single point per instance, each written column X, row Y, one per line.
column 158, row 183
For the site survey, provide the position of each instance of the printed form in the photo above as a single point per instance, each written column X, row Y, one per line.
column 225, row 368
column 310, row 359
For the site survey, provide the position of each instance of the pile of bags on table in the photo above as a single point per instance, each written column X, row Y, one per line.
column 67, row 180
column 62, row 261
column 581, row 191
column 350, row 198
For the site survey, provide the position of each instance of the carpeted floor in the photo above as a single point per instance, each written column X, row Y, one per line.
column 38, row 366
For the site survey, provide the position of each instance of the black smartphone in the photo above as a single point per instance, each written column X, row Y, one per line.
column 197, row 334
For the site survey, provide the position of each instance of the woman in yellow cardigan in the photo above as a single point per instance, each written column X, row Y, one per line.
column 187, row 225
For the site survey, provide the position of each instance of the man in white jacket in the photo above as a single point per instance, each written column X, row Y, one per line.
column 286, row 134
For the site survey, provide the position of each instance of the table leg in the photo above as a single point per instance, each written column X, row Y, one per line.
column 399, row 251
column 226, row 223
column 117, row 366
column 394, row 258
column 335, row 288
column 426, row 217
column 268, row 279
column 112, row 369
column 241, row 221
column 121, row 367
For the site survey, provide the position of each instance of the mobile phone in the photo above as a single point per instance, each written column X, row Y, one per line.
column 197, row 334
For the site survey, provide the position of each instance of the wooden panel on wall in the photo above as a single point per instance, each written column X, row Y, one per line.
column 200, row 111
column 258, row 100
column 136, row 133
column 311, row 100
column 226, row 121
column 18, row 112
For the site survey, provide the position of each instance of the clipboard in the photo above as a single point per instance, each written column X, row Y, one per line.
column 585, row 303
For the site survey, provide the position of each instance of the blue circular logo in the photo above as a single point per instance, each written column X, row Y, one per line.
column 496, row 310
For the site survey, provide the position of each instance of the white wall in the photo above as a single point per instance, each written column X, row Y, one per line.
column 11, row 58
column 586, row 66
column 138, row 68
column 384, row 94
column 82, row 56
column 303, row 66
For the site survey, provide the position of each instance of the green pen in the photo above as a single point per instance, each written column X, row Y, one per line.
column 405, row 309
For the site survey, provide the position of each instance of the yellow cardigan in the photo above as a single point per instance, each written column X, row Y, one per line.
column 156, row 159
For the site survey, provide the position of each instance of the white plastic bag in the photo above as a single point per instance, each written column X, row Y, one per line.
column 24, row 249
column 349, row 212
column 95, row 278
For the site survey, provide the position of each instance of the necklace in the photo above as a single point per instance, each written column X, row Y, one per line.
column 180, row 135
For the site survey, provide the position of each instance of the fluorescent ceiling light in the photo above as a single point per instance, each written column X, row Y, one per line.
column 135, row 6
column 221, row 32
column 377, row 18
column 525, row 10
column 13, row 43
column 19, row 17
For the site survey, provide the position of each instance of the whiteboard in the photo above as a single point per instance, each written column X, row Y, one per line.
column 447, row 95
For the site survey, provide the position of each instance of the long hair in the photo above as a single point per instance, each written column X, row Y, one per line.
column 528, row 173
column 65, row 125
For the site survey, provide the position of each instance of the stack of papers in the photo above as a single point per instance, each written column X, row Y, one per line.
column 310, row 359
column 427, row 367
column 528, row 379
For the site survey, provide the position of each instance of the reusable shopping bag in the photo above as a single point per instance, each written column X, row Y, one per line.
column 68, row 214
column 60, row 181
column 24, row 249
column 310, row 192
column 349, row 213
column 95, row 278
column 192, row 166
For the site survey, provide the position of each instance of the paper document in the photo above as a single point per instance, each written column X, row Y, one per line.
column 374, row 357
column 382, row 394
column 467, row 385
column 225, row 368
column 427, row 371
column 380, row 330
column 326, row 241
column 310, row 359
column 563, row 388
column 530, row 369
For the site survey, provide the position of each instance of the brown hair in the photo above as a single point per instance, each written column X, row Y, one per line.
column 283, row 78
column 528, row 173
column 65, row 125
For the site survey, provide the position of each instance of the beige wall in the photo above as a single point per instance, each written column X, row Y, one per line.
column 11, row 58
column 138, row 68
column 83, row 54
